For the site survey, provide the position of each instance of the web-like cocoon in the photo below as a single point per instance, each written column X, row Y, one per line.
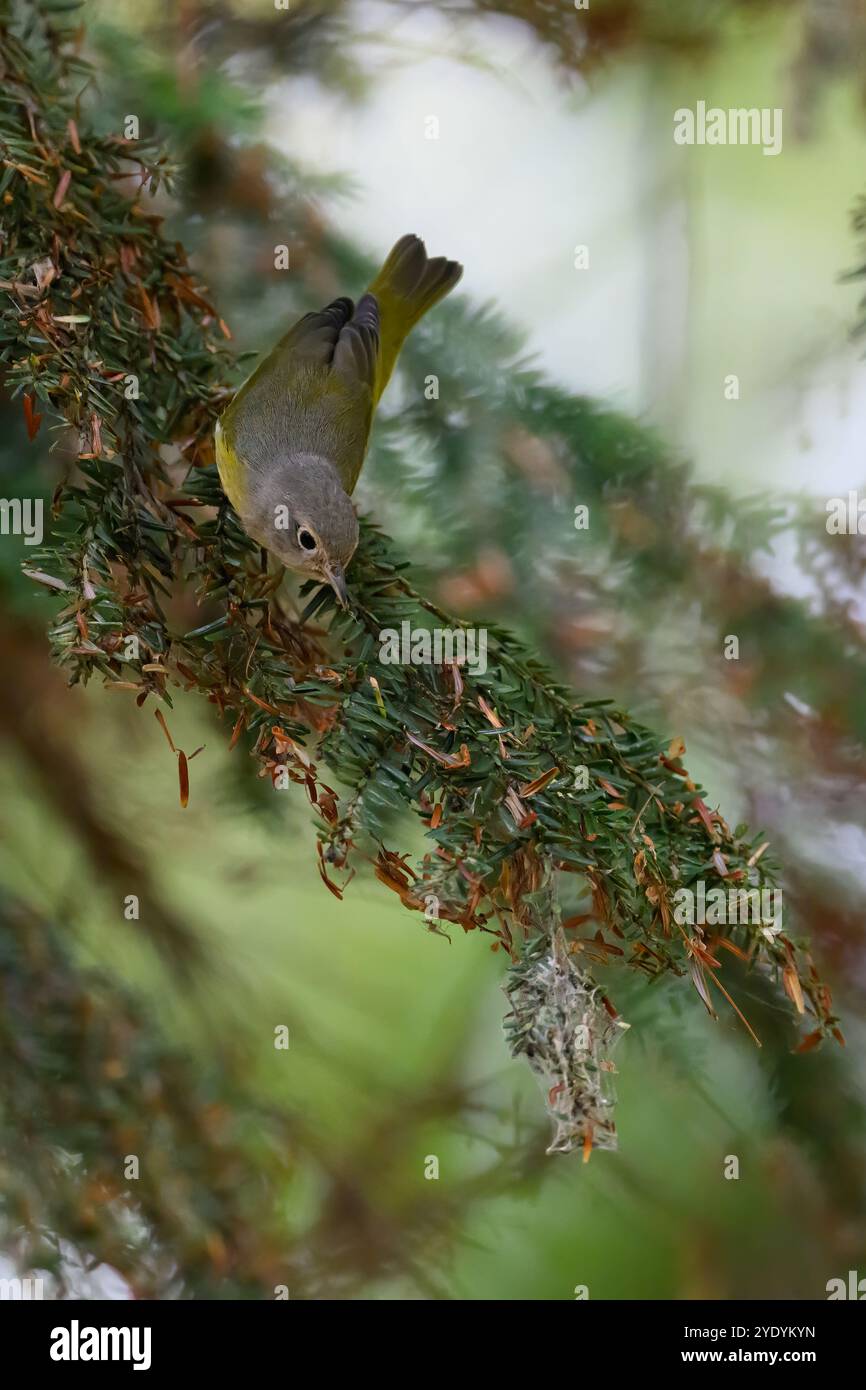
column 559, row 1023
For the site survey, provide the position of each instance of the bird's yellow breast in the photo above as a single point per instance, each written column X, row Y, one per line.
column 231, row 470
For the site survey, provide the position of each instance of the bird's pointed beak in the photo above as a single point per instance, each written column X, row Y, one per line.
column 337, row 580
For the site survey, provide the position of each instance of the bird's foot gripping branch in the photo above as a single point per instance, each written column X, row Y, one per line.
column 563, row 831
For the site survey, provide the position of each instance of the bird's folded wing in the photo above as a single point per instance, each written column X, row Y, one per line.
column 339, row 336
column 356, row 351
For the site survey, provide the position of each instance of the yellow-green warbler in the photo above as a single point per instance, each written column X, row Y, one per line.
column 290, row 446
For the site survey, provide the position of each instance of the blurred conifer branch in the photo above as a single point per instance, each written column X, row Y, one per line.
column 90, row 1081
column 87, row 1084
column 105, row 329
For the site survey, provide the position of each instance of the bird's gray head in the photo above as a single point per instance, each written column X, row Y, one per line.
column 301, row 512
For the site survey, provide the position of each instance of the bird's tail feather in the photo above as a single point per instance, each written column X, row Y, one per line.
column 409, row 283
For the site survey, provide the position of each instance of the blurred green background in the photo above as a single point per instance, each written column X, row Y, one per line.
column 307, row 128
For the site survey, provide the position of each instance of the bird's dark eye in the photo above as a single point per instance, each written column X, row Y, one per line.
column 306, row 539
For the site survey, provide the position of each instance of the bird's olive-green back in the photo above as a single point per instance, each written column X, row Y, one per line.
column 316, row 392
column 295, row 403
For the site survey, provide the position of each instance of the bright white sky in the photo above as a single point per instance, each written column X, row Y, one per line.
column 522, row 171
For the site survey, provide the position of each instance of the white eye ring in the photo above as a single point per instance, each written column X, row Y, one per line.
column 306, row 539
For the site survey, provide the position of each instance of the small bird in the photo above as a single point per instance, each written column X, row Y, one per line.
column 290, row 445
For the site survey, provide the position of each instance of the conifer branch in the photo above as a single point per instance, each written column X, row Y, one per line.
column 562, row 829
